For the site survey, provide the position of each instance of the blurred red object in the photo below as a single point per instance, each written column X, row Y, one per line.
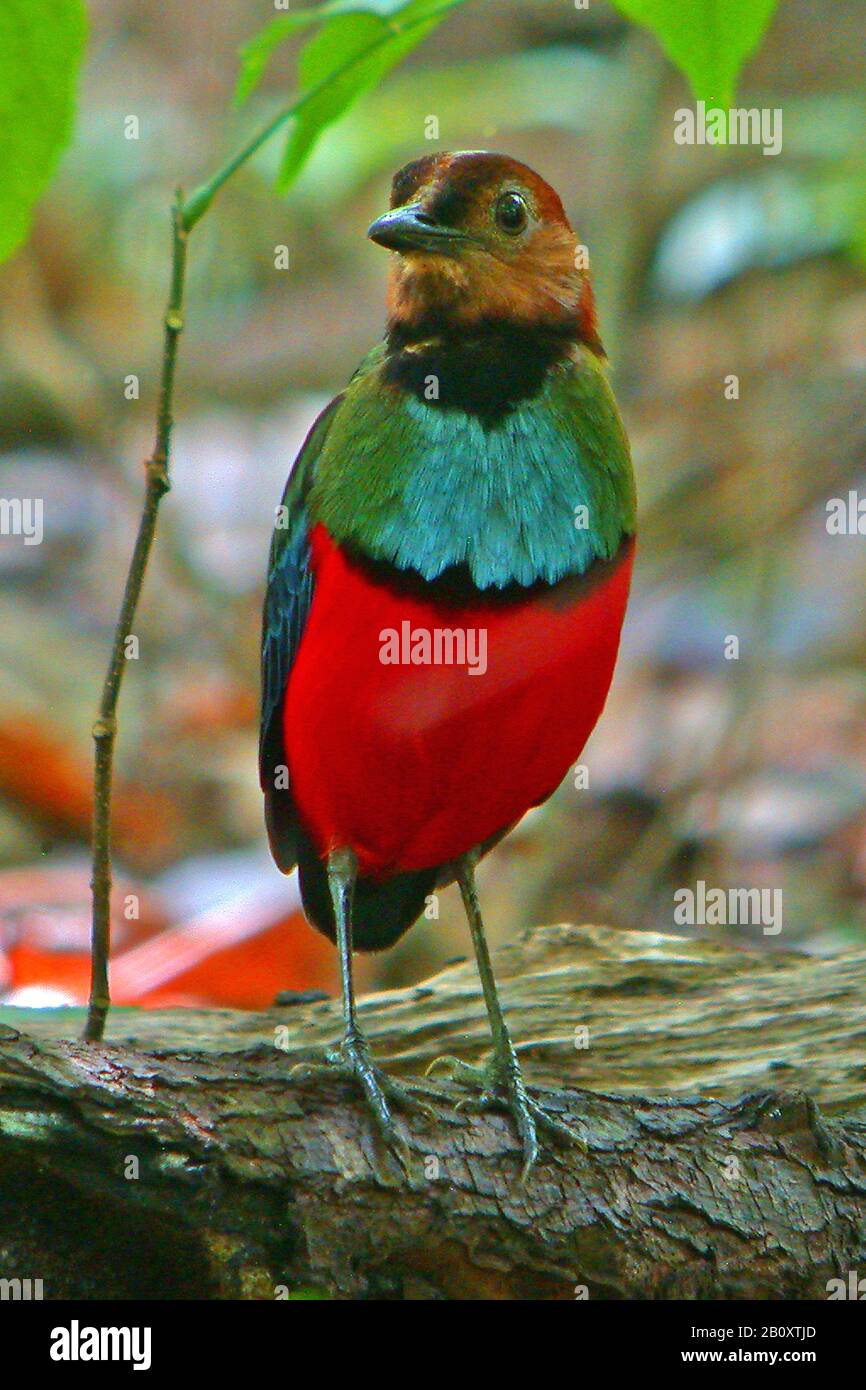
column 41, row 772
column 45, row 930
column 238, row 954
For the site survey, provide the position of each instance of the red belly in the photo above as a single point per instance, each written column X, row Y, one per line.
column 414, row 765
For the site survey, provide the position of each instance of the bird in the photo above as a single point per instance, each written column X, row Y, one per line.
column 448, row 577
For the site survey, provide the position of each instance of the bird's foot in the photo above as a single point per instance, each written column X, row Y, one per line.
column 351, row 1059
column 502, row 1087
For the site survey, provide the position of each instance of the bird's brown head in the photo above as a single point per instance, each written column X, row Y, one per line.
column 481, row 238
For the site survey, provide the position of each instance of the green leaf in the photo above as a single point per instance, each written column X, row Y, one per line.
column 330, row 55
column 256, row 53
column 41, row 43
column 359, row 41
column 709, row 40
column 354, row 52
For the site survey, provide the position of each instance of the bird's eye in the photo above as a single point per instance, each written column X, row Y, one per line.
column 511, row 214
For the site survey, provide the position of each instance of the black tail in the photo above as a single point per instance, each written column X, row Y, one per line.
column 383, row 910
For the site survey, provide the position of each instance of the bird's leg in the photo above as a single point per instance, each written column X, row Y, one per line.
column 502, row 1079
column 351, row 1057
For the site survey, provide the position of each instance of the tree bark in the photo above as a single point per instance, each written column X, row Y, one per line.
column 722, row 1154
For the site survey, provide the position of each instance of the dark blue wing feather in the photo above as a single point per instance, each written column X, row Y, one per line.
column 288, row 597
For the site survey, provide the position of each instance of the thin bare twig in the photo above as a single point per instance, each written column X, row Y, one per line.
column 105, row 727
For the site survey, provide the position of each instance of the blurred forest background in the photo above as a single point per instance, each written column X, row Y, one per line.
column 707, row 262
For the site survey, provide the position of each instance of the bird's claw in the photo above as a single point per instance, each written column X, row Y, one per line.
column 351, row 1059
column 502, row 1087
column 465, row 1073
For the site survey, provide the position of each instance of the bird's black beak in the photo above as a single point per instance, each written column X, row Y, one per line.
column 411, row 229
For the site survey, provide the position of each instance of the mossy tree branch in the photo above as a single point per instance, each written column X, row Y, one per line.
column 719, row 1105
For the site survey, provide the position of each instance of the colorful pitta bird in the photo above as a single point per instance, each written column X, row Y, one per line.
column 448, row 578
